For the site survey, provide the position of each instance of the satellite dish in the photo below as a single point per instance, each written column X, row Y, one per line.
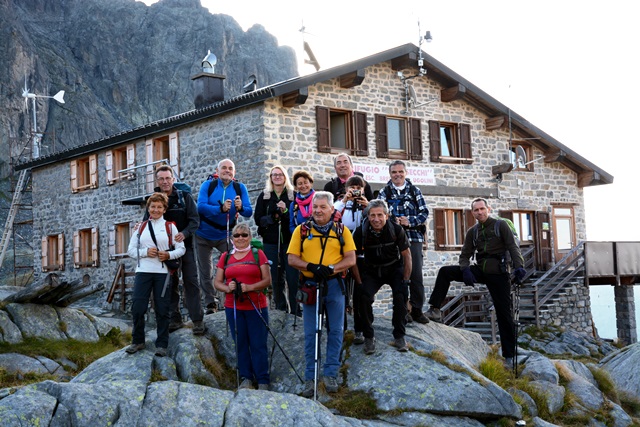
column 413, row 98
column 251, row 84
column 521, row 156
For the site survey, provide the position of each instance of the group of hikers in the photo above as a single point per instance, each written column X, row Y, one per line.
column 324, row 254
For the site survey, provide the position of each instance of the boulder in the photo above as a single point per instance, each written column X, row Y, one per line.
column 539, row 367
column 36, row 321
column 623, row 368
column 9, row 331
column 582, row 384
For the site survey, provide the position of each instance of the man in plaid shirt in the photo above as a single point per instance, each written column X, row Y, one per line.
column 407, row 208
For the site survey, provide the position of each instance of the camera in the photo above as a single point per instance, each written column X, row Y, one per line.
column 356, row 193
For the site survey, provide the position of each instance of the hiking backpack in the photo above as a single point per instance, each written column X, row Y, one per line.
column 336, row 225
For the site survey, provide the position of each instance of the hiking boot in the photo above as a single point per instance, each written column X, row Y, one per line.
column 309, row 388
column 198, row 328
column 359, row 339
column 369, row 345
column 161, row 352
column 263, row 387
column 246, row 384
column 419, row 316
column 211, row 308
column 408, row 318
column 401, row 344
column 330, row 384
column 175, row 325
column 434, row 314
column 508, row 362
column 134, row 348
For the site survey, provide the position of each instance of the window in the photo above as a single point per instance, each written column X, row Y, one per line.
column 450, row 142
column 84, row 173
column 523, row 221
column 85, row 248
column 53, row 252
column 398, row 137
column 341, row 131
column 119, row 235
column 514, row 158
column 450, row 226
column 117, row 160
column 157, row 149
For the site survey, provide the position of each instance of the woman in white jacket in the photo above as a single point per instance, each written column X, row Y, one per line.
column 152, row 273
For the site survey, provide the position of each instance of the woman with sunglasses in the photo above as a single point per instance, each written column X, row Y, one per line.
column 272, row 216
column 242, row 275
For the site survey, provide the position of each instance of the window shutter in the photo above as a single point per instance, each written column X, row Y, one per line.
column 322, row 129
column 434, row 141
column 61, row 251
column 94, row 247
column 361, row 134
column 469, row 220
column 174, row 153
column 149, row 179
column 44, row 256
column 74, row 176
column 131, row 160
column 76, row 249
column 465, row 143
column 506, row 215
column 112, row 241
column 108, row 162
column 439, row 225
column 543, row 240
column 382, row 139
column 93, row 170
column 416, row 139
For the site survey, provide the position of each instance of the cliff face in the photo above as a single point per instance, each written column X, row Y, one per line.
column 121, row 64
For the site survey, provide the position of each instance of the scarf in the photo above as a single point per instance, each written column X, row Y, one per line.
column 304, row 203
column 323, row 229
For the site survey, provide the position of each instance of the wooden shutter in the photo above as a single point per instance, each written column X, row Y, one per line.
column 149, row 179
column 543, row 240
column 74, row 176
column 61, row 251
column 469, row 220
column 322, row 129
column 76, row 249
column 382, row 137
column 440, row 229
column 506, row 215
column 174, row 154
column 108, row 162
column 361, row 134
column 44, row 255
column 415, row 134
column 131, row 160
column 434, row 141
column 112, row 241
column 94, row 247
column 465, row 143
column 93, row 171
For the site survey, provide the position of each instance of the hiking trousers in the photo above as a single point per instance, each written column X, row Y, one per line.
column 190, row 287
column 205, row 251
column 144, row 284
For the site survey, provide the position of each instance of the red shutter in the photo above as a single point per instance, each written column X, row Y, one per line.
column 382, row 143
column 322, row 129
column 361, row 134
column 439, row 225
column 434, row 141
column 465, row 143
column 415, row 146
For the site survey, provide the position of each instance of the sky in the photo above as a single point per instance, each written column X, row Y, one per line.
column 569, row 68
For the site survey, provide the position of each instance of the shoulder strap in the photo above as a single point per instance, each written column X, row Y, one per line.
column 181, row 199
column 167, row 226
column 212, row 186
column 142, row 226
column 236, row 187
column 334, row 185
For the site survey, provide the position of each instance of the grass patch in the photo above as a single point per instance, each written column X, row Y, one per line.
column 605, row 383
column 156, row 376
column 630, row 404
column 493, row 369
column 21, row 379
column 224, row 374
column 355, row 404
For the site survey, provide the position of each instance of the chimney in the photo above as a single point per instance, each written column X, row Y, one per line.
column 208, row 86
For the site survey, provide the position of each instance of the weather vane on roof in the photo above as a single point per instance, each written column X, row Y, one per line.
column 35, row 153
column 307, row 48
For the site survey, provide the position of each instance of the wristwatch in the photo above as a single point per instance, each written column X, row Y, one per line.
column 331, row 267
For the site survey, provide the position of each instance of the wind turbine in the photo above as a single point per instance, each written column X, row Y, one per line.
column 35, row 153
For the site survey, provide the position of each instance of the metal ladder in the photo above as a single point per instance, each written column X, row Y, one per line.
column 8, row 226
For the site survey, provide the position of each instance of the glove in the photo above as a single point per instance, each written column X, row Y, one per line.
column 519, row 275
column 320, row 272
column 237, row 292
column 467, row 277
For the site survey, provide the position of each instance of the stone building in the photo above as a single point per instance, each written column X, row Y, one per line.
column 458, row 142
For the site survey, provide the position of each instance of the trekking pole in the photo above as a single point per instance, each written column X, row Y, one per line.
column 266, row 324
column 316, row 368
column 235, row 327
column 516, row 324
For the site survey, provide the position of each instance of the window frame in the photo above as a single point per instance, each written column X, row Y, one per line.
column 118, row 159
column 84, row 173
column 445, row 227
column 119, row 243
column 52, row 249
column 86, row 248
column 152, row 148
column 355, row 131
column 462, row 144
column 412, row 138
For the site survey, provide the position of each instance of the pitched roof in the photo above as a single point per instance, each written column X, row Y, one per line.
column 401, row 57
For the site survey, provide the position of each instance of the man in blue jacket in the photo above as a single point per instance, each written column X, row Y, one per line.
column 220, row 201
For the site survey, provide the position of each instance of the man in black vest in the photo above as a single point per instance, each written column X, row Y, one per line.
column 184, row 212
column 384, row 257
column 344, row 169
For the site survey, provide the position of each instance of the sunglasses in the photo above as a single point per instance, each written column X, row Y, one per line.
column 241, row 235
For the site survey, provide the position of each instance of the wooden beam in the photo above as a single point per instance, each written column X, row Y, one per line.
column 497, row 122
column 589, row 178
column 453, row 93
column 555, row 156
column 352, row 79
column 410, row 60
column 503, row 168
column 296, row 97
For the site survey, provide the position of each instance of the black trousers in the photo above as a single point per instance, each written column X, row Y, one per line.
column 499, row 287
column 364, row 295
column 190, row 286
